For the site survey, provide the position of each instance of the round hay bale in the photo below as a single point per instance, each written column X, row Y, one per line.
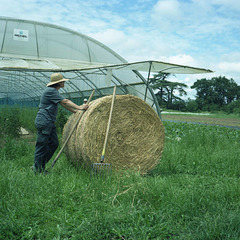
column 136, row 135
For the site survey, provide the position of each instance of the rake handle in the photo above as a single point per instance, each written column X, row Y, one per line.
column 75, row 125
column 108, row 125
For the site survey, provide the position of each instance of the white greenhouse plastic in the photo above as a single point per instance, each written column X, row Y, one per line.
column 31, row 51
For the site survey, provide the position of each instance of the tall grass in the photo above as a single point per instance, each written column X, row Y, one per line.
column 12, row 118
column 193, row 193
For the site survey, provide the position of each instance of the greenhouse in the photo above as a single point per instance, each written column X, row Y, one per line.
column 31, row 51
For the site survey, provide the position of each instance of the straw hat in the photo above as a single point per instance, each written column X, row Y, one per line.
column 56, row 78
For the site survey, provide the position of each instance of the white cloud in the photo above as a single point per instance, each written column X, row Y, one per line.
column 228, row 67
column 169, row 9
column 227, row 5
column 165, row 13
column 229, row 70
column 110, row 37
column 182, row 59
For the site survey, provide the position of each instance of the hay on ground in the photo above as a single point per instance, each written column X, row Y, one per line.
column 136, row 136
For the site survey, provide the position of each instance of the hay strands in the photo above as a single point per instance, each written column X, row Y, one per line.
column 75, row 125
column 102, row 168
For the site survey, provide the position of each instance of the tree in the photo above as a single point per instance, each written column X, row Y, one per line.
column 159, row 82
column 205, row 92
column 216, row 92
column 166, row 94
column 225, row 89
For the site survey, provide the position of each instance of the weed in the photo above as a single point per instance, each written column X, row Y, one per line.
column 10, row 122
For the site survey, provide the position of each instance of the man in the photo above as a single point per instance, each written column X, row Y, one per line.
column 47, row 139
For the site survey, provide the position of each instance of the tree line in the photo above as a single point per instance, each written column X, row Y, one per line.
column 215, row 94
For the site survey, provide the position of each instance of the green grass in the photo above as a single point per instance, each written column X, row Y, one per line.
column 193, row 193
column 232, row 120
column 224, row 115
column 221, row 115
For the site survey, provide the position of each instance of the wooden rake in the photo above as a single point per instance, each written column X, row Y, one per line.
column 75, row 125
column 104, row 169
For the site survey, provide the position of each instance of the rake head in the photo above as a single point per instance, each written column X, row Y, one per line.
column 101, row 169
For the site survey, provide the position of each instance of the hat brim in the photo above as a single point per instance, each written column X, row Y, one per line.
column 62, row 80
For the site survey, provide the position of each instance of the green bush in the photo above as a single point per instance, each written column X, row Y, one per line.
column 237, row 111
column 179, row 105
column 233, row 107
column 191, row 105
column 10, row 121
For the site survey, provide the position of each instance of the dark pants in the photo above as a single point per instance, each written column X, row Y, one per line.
column 46, row 145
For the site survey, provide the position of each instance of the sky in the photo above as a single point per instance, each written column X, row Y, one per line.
column 197, row 33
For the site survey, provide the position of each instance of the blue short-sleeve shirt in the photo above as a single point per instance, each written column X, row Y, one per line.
column 48, row 106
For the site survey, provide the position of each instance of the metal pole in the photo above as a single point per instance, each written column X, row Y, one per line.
column 148, row 81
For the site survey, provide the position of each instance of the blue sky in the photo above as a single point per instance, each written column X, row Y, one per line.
column 199, row 33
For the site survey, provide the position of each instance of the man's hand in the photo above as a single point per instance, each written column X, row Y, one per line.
column 83, row 107
column 72, row 107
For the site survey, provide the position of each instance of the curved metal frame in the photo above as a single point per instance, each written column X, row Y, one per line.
column 83, row 76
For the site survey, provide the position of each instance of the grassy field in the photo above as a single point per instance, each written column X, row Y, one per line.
column 193, row 193
column 230, row 120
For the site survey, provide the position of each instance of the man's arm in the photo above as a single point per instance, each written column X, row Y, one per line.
column 71, row 106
